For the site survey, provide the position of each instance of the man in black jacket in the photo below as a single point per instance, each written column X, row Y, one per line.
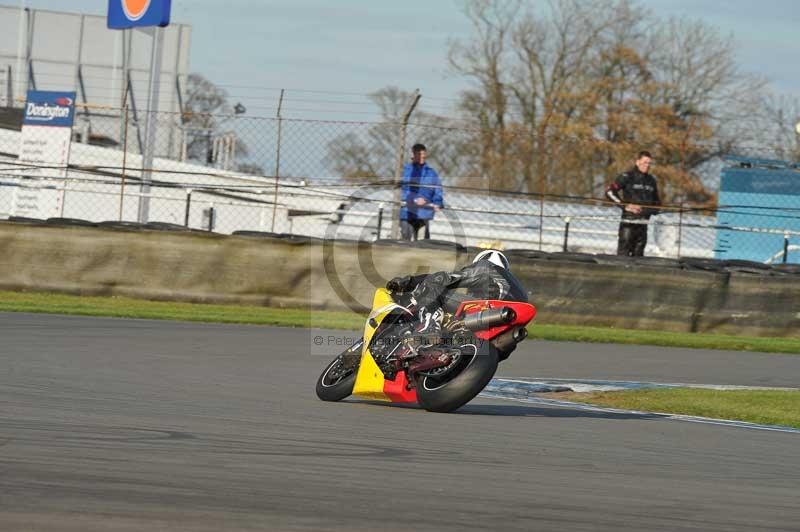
column 636, row 193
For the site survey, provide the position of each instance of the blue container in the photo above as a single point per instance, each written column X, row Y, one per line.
column 763, row 195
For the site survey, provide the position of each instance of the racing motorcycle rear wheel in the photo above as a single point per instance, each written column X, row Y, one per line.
column 453, row 386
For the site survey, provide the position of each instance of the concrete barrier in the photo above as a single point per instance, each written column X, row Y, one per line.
column 283, row 271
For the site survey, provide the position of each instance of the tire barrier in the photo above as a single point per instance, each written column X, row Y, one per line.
column 70, row 221
column 115, row 224
column 25, row 220
column 165, row 226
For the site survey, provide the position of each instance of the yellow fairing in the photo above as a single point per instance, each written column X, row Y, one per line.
column 369, row 381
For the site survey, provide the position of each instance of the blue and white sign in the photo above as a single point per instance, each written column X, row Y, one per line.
column 43, row 156
column 123, row 14
column 47, row 108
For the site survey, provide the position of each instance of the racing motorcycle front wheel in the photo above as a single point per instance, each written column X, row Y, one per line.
column 336, row 382
column 451, row 387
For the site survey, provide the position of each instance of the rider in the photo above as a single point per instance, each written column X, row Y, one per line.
column 488, row 277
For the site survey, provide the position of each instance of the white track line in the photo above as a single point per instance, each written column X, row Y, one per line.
column 581, row 385
column 517, row 392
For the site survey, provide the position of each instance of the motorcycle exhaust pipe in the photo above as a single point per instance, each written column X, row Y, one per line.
column 506, row 342
column 486, row 319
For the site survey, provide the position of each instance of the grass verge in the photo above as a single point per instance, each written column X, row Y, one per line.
column 123, row 307
column 767, row 407
column 569, row 333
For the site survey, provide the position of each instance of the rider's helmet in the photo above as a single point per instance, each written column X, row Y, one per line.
column 493, row 256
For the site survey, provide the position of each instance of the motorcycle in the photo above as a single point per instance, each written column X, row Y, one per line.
column 440, row 370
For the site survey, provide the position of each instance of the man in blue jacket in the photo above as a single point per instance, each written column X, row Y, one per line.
column 421, row 194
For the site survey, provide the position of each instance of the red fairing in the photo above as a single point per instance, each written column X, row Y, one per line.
column 397, row 390
column 525, row 313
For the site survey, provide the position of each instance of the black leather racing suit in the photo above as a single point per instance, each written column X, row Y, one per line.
column 641, row 189
column 482, row 279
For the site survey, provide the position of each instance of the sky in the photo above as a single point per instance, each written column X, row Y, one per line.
column 253, row 48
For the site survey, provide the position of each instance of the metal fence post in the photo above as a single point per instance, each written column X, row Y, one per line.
column 188, row 207
column 124, row 161
column 9, row 88
column 380, row 222
column 63, row 197
column 785, row 247
column 680, row 229
column 184, row 140
column 541, row 210
column 567, row 220
column 398, row 174
column 12, row 210
column 277, row 162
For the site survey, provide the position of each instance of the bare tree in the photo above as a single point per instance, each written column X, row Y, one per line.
column 567, row 92
column 777, row 127
column 372, row 154
column 708, row 98
column 527, row 68
column 484, row 61
column 361, row 155
column 564, row 93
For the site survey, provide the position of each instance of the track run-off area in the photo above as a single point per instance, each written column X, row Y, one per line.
column 116, row 425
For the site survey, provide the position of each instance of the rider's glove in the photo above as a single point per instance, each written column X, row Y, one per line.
column 399, row 284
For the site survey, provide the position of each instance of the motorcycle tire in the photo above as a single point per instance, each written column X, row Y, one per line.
column 459, row 385
column 336, row 382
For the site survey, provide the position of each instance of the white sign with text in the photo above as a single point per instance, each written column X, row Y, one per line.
column 43, row 154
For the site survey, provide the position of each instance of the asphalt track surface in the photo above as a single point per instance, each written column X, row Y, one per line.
column 115, row 425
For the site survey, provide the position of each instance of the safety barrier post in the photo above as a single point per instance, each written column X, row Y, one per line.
column 567, row 220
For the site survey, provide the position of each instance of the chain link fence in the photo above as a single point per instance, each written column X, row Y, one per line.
column 337, row 179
